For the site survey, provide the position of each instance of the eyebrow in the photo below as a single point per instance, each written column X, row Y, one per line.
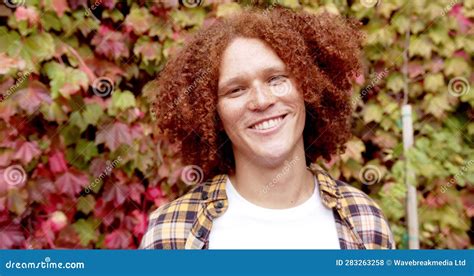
column 265, row 71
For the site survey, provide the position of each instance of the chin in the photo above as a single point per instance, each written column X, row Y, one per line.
column 273, row 155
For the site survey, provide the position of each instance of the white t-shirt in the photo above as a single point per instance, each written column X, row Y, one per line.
column 245, row 225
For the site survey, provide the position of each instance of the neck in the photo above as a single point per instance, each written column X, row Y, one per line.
column 283, row 185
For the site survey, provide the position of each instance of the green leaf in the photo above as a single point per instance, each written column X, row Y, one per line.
column 50, row 20
column 395, row 82
column 92, row 114
column 53, row 112
column 354, row 149
column 139, row 20
column 76, row 119
column 457, row 66
column 420, row 46
column 36, row 48
column 87, row 230
column 123, row 100
column 65, row 80
column 86, row 149
column 147, row 49
column 9, row 41
column 434, row 82
column 86, row 204
column 17, row 200
column 372, row 113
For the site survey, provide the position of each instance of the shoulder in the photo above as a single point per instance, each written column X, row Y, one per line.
column 366, row 217
column 169, row 225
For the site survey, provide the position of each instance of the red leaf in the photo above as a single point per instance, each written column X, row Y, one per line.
column 114, row 135
column 41, row 189
column 463, row 22
column 30, row 98
column 136, row 190
column 26, row 151
column 110, row 43
column 10, row 236
column 104, row 211
column 57, row 163
column 118, row 239
column 28, row 14
column 156, row 195
column 60, row 6
column 71, row 182
column 137, row 222
column 116, row 192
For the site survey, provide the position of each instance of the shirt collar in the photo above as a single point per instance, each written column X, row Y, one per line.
column 214, row 190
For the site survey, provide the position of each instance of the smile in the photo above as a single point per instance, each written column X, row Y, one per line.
column 269, row 123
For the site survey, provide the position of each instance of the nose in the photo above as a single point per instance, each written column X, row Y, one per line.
column 261, row 97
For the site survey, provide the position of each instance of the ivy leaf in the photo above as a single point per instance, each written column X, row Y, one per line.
column 87, row 230
column 136, row 191
column 118, row 239
column 139, row 222
column 395, row 82
column 116, row 193
column 53, row 112
column 59, row 6
column 71, row 182
column 138, row 20
column 50, row 20
column 114, row 135
column 65, row 80
column 354, row 150
column 86, row 204
column 110, row 43
column 123, row 100
column 434, row 82
column 372, row 113
column 92, row 113
column 86, row 149
column 31, row 97
column 9, row 42
column 457, row 66
column 77, row 120
column 26, row 151
column 8, row 64
column 11, row 236
column 36, row 48
column 57, row 162
column 17, row 201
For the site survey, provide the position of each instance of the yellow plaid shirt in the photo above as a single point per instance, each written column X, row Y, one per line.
column 186, row 222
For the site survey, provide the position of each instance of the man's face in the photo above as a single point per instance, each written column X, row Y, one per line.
column 261, row 110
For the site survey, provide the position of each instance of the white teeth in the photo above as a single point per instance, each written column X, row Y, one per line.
column 268, row 124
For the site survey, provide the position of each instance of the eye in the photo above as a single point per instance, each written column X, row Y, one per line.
column 277, row 80
column 235, row 92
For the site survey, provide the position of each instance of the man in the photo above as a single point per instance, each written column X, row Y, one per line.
column 254, row 100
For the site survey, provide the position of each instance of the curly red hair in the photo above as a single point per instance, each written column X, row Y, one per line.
column 322, row 52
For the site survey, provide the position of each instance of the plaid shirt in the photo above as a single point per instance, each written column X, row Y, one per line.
column 186, row 222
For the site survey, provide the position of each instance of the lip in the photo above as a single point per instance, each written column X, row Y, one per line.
column 269, row 130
